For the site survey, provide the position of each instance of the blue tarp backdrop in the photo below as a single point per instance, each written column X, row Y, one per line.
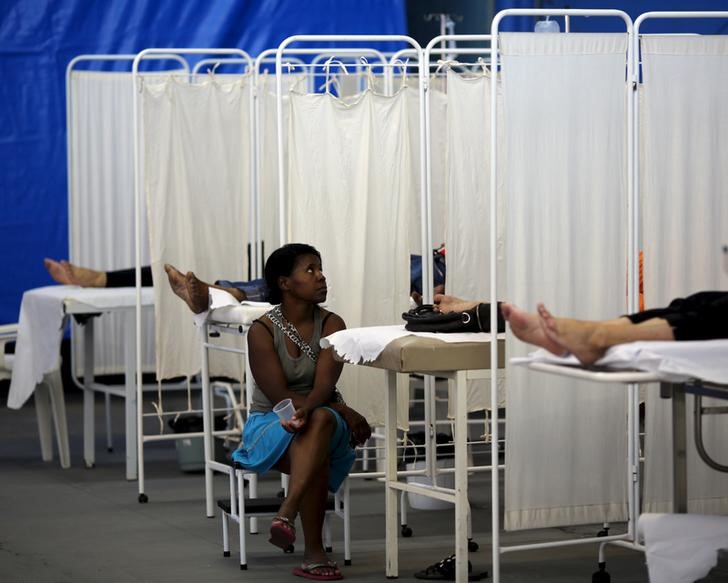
column 37, row 40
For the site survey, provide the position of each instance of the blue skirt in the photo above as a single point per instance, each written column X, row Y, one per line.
column 265, row 441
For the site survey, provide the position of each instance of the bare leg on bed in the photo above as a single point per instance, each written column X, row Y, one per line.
column 67, row 273
column 589, row 340
column 194, row 291
column 527, row 327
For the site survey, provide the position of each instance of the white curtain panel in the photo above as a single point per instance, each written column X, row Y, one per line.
column 267, row 146
column 197, row 170
column 468, row 202
column 565, row 192
column 101, row 157
column 684, row 198
column 349, row 187
column 438, row 155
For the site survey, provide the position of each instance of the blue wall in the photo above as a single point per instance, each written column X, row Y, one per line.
column 37, row 40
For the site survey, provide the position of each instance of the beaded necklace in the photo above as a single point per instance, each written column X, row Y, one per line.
column 276, row 316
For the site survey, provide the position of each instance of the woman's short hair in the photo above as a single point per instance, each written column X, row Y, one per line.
column 280, row 263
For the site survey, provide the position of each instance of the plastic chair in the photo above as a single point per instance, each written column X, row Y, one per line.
column 239, row 507
column 49, row 402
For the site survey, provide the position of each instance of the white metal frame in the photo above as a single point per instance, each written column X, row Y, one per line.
column 138, row 188
column 88, row 385
column 628, row 539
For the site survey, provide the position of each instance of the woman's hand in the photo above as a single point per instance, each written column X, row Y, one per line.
column 297, row 422
column 360, row 429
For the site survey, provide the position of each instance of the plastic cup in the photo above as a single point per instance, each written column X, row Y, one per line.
column 284, row 409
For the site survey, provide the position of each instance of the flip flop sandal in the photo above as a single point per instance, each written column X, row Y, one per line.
column 306, row 570
column 445, row 571
column 282, row 533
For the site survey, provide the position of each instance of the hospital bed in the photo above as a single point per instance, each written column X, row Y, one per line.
column 43, row 314
column 699, row 368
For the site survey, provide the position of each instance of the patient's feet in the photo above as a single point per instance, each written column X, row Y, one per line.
column 582, row 338
column 194, row 292
column 66, row 273
column 198, row 293
column 527, row 327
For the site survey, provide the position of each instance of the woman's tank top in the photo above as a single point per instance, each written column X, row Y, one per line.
column 299, row 372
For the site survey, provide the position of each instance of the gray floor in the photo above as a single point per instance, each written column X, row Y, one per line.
column 85, row 525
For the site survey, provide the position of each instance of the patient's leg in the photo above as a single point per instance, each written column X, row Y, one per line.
column 527, row 327
column 589, row 340
column 66, row 273
column 194, row 291
column 179, row 285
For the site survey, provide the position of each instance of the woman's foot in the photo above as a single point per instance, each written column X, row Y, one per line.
column 527, row 327
column 282, row 532
column 66, row 273
column 319, row 567
column 579, row 337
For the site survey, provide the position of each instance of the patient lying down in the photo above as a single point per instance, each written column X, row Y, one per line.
column 700, row 316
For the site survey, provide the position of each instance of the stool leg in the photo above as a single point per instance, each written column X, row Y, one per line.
column 58, row 408
column 43, row 413
column 107, row 412
column 225, row 535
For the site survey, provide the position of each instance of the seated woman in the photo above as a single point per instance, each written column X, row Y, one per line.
column 315, row 447
column 700, row 316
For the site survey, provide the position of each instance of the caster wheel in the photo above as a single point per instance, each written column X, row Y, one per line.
column 601, row 576
column 329, row 549
column 281, row 493
column 347, row 562
column 143, row 498
column 226, row 553
column 406, row 531
column 110, row 449
column 289, row 549
column 472, row 546
column 603, row 532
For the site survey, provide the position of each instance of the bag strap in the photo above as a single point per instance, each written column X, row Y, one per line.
column 276, row 316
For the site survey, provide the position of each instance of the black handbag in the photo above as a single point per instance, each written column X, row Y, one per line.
column 424, row 318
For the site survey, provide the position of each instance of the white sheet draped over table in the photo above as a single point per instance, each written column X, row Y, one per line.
column 196, row 170
column 684, row 196
column 101, row 154
column 349, row 189
column 564, row 179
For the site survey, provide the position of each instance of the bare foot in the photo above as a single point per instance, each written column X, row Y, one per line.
column 176, row 281
column 198, row 293
column 447, row 303
column 579, row 337
column 527, row 327
column 66, row 273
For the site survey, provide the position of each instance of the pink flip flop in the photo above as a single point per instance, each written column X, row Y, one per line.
column 282, row 532
column 308, row 571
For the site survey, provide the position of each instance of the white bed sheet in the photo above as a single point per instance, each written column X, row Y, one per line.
column 672, row 361
column 40, row 329
column 681, row 548
column 225, row 309
column 359, row 345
